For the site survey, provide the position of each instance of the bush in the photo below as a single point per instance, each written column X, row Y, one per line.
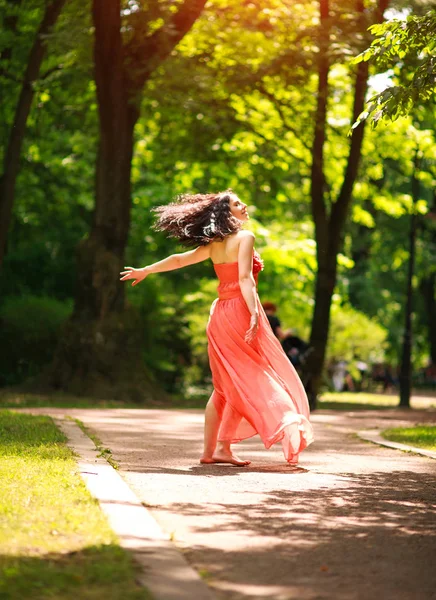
column 166, row 336
column 29, row 331
column 353, row 335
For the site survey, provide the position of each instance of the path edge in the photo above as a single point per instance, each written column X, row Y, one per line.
column 373, row 435
column 164, row 570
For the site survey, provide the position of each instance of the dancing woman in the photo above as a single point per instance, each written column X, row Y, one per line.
column 256, row 389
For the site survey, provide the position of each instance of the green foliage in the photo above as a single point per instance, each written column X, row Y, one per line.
column 233, row 106
column 353, row 336
column 288, row 251
column 165, row 337
column 54, row 192
column 379, row 232
column 409, row 47
column 29, row 331
column 198, row 303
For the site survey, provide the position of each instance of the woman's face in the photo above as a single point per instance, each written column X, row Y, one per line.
column 238, row 208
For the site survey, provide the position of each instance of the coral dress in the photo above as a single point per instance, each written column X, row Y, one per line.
column 256, row 388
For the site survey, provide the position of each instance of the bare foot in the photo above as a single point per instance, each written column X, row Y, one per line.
column 224, row 457
column 206, row 460
column 230, row 458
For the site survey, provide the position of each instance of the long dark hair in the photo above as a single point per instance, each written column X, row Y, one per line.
column 198, row 219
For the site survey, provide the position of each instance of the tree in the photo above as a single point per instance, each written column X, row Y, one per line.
column 406, row 354
column 94, row 339
column 391, row 207
column 329, row 225
column 427, row 280
column 264, row 97
column 11, row 162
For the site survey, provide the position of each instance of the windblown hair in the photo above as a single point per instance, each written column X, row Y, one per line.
column 198, row 219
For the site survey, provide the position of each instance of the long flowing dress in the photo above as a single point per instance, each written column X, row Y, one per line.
column 256, row 388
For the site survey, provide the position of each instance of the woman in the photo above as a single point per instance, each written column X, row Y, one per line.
column 256, row 389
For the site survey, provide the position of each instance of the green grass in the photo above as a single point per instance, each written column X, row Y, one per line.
column 328, row 400
column 367, row 401
column 12, row 399
column 19, row 399
column 55, row 543
column 421, row 436
column 105, row 453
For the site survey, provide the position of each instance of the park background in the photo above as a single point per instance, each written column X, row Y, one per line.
column 110, row 109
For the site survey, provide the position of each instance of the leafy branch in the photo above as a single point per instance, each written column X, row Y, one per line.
column 411, row 46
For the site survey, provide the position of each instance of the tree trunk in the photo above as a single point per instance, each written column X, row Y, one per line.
column 319, row 333
column 427, row 284
column 406, row 355
column 329, row 230
column 100, row 353
column 324, row 288
column 327, row 252
column 11, row 163
column 100, row 257
column 428, row 290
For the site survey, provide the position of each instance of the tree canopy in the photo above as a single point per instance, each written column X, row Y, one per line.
column 259, row 96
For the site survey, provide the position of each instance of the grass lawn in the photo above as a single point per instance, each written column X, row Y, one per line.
column 356, row 401
column 55, row 542
column 327, row 400
column 421, row 436
column 366, row 401
column 9, row 399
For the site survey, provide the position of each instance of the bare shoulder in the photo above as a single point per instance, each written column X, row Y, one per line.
column 246, row 245
column 245, row 235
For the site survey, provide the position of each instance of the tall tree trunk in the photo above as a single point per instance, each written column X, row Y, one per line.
column 100, row 352
column 329, row 229
column 11, row 164
column 100, row 257
column 427, row 284
column 427, row 288
column 406, row 354
column 324, row 275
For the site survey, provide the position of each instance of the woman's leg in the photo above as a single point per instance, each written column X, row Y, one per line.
column 211, row 453
column 212, row 422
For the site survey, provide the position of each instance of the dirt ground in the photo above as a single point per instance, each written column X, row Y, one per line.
column 354, row 521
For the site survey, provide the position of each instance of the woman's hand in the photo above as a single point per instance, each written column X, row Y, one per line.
column 252, row 331
column 136, row 274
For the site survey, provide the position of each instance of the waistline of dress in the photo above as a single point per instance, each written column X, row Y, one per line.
column 229, row 294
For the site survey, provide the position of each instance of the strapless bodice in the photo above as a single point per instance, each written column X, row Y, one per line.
column 228, row 275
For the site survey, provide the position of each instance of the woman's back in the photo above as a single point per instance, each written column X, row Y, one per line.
column 227, row 250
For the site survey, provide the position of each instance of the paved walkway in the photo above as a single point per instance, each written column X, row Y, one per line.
column 354, row 522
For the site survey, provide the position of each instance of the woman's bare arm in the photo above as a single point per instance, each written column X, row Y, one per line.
column 171, row 263
column 247, row 282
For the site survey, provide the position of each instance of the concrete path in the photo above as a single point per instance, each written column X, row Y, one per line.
column 354, row 521
column 163, row 570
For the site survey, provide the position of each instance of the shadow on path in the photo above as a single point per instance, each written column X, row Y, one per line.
column 371, row 535
column 359, row 521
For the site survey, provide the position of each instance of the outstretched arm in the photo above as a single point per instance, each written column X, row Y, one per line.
column 173, row 262
column 247, row 282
